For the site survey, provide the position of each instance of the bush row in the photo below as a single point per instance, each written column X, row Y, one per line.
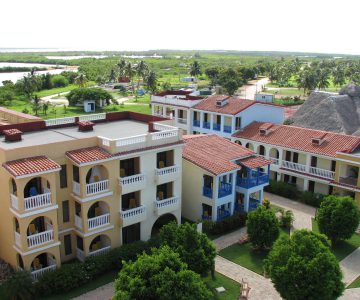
column 74, row 274
column 235, row 221
column 290, row 191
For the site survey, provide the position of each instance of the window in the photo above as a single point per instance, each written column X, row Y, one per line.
column 311, row 186
column 76, row 175
column 67, row 244
column 313, row 161
column 218, row 119
column 238, row 123
column 63, row 177
column 65, row 211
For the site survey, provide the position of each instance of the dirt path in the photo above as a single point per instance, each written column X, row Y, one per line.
column 249, row 90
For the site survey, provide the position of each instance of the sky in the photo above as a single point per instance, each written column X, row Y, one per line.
column 263, row 25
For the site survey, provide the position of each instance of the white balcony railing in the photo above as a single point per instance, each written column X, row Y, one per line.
column 14, row 201
column 78, row 222
column 182, row 121
column 80, row 254
column 37, row 201
column 40, row 238
column 76, row 188
column 132, row 179
column 169, row 202
column 137, row 139
column 99, row 221
column 17, row 239
column 133, row 216
column 100, row 251
column 322, row 173
column 60, row 121
column 93, row 117
column 167, row 170
column 293, row 166
column 97, row 187
column 164, row 134
column 37, row 273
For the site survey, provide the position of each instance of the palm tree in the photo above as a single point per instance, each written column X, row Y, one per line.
column 195, row 69
column 36, row 105
column 112, row 76
column 151, row 82
column 45, row 107
column 81, row 80
column 122, row 66
column 130, row 72
column 323, row 78
column 141, row 71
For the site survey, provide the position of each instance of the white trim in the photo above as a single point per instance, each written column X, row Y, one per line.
column 35, row 212
column 37, row 249
column 345, row 187
column 302, row 175
column 35, row 174
column 93, row 232
column 94, row 197
column 92, row 162
column 348, row 161
column 65, row 230
column 136, row 154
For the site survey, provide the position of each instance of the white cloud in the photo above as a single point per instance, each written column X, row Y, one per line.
column 308, row 25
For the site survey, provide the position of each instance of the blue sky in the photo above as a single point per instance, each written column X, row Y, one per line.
column 278, row 25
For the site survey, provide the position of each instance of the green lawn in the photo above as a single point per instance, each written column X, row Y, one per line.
column 105, row 279
column 355, row 284
column 232, row 288
column 343, row 248
column 54, row 91
column 141, row 99
column 245, row 256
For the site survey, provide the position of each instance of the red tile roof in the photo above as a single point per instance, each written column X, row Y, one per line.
column 213, row 153
column 255, row 162
column 30, row 165
column 87, row 155
column 299, row 138
column 233, row 107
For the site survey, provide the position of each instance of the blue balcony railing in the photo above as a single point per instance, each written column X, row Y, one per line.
column 238, row 207
column 253, row 204
column 206, row 217
column 206, row 125
column 222, row 214
column 227, row 128
column 216, row 126
column 225, row 189
column 207, row 192
column 196, row 123
column 252, row 181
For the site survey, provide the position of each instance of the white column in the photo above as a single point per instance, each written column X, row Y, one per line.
column 201, row 119
column 261, row 195
column 222, row 123
column 233, row 124
column 307, row 163
column 281, row 152
column 214, row 212
column 246, row 201
column 164, row 111
column 233, row 182
column 211, row 121
column 153, row 109
column 176, row 114
column 306, row 185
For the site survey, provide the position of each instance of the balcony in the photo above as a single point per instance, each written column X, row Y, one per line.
column 223, row 214
column 216, row 127
column 40, row 272
column 17, row 239
column 227, row 128
column 249, row 182
column 132, row 183
column 327, row 174
column 167, row 174
column 100, row 251
column 182, row 120
column 196, row 123
column 293, row 166
column 97, row 187
column 100, row 221
column 225, row 189
column 322, row 173
column 206, row 125
column 348, row 181
column 207, row 192
column 166, row 205
column 78, row 222
column 33, row 202
column 41, row 238
column 133, row 216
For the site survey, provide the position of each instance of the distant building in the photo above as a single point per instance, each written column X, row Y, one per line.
column 264, row 97
column 189, row 79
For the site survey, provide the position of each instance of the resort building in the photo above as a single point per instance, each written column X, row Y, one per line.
column 219, row 114
column 220, row 178
column 313, row 160
column 79, row 186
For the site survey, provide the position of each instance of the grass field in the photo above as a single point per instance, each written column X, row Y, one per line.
column 343, row 248
column 145, row 99
column 355, row 284
column 232, row 288
column 246, row 257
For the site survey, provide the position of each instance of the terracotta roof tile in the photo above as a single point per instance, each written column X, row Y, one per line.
column 213, row 153
column 86, row 155
column 255, row 162
column 233, row 107
column 299, row 138
column 30, row 165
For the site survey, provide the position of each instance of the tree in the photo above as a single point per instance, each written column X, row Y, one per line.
column 77, row 96
column 262, row 228
column 100, row 80
column 81, row 80
column 112, row 76
column 303, row 267
column 194, row 248
column 45, row 107
column 338, row 218
column 59, row 81
column 130, row 72
column 141, row 71
column 121, row 66
column 195, row 69
column 230, row 80
column 151, row 82
column 159, row 276
column 213, row 74
column 19, row 286
column 28, row 85
column 36, row 105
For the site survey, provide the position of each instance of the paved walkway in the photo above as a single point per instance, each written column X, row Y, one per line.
column 104, row 292
column 350, row 266
column 229, row 239
column 351, row 294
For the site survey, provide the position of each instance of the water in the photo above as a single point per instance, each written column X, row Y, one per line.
column 24, row 65
column 142, row 56
column 76, row 57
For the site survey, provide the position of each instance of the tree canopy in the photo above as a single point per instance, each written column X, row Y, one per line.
column 262, row 227
column 338, row 217
column 194, row 248
column 77, row 96
column 159, row 276
column 303, row 267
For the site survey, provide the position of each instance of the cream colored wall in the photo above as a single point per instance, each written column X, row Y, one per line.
column 321, row 188
column 302, row 158
column 323, row 163
column 192, row 191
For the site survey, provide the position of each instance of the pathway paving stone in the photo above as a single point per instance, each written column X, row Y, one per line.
column 229, row 239
column 105, row 292
column 351, row 294
column 350, row 266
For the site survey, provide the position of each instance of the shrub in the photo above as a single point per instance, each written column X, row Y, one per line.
column 303, row 267
column 282, row 189
column 286, row 219
column 77, row 96
column 313, row 199
column 235, row 221
column 59, row 81
column 262, row 228
column 266, row 203
column 19, row 286
column 338, row 217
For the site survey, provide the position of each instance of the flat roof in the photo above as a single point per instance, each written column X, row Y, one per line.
column 110, row 130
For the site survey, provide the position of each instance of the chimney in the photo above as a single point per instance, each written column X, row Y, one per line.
column 12, row 135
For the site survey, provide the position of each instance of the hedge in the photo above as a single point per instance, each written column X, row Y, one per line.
column 74, row 274
column 235, row 221
column 290, row 191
